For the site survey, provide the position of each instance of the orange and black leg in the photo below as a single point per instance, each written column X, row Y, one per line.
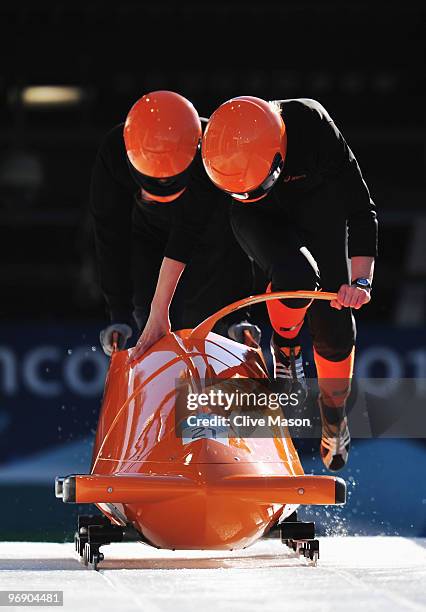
column 333, row 333
column 287, row 317
column 278, row 250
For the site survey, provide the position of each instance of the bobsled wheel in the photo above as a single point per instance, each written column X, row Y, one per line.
column 80, row 539
column 79, row 543
column 86, row 552
column 311, row 552
column 97, row 536
column 96, row 558
column 92, row 556
column 313, row 558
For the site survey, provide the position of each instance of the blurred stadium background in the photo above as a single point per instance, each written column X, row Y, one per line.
column 70, row 71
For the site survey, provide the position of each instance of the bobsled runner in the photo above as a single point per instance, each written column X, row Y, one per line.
column 181, row 491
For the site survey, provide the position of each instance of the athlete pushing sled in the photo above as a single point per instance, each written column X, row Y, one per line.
column 300, row 205
column 162, row 230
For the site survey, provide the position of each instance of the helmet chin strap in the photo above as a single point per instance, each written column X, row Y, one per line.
column 161, row 190
column 251, row 199
column 260, row 192
column 149, row 197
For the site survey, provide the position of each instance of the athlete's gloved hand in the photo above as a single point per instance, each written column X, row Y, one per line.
column 245, row 333
column 123, row 333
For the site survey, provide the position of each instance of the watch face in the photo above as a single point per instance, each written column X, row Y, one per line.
column 362, row 282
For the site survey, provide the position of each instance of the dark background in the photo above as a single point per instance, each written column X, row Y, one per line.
column 364, row 61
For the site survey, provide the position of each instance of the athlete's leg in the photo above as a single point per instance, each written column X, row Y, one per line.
column 285, row 261
column 278, row 250
column 333, row 333
column 287, row 316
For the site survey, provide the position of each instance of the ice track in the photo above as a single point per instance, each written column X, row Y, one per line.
column 362, row 574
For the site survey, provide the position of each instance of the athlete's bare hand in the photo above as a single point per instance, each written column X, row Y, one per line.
column 157, row 326
column 350, row 296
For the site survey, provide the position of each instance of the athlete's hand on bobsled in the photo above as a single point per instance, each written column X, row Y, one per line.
column 107, row 338
column 350, row 296
column 157, row 326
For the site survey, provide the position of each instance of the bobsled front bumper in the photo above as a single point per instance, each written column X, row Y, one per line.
column 301, row 490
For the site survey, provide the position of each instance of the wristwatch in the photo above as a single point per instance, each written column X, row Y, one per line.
column 362, row 283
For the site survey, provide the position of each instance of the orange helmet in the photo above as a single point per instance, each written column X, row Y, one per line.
column 161, row 133
column 244, row 147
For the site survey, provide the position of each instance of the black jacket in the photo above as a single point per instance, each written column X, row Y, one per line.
column 317, row 154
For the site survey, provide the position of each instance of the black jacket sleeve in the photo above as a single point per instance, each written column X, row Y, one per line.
column 111, row 205
column 361, row 214
column 337, row 162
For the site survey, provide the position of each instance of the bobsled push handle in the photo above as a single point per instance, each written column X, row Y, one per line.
column 115, row 341
column 207, row 325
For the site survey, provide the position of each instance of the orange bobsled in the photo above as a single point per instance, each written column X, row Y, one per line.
column 180, row 492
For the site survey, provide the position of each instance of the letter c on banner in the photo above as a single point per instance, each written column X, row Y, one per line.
column 73, row 372
column 31, row 371
column 8, row 373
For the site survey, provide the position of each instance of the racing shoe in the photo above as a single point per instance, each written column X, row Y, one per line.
column 335, row 439
column 288, row 369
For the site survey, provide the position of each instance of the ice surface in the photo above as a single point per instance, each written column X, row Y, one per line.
column 362, row 574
